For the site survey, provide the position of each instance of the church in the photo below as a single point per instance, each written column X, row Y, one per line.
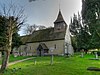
column 54, row 40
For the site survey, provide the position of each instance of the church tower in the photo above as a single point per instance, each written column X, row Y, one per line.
column 59, row 24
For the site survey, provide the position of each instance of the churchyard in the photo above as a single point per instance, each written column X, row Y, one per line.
column 74, row 65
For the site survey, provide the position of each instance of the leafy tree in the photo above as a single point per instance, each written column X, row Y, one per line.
column 91, row 18
column 2, row 31
column 73, row 29
column 16, row 41
column 79, row 33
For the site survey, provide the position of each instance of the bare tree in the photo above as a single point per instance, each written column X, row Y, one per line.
column 29, row 29
column 40, row 27
column 14, row 20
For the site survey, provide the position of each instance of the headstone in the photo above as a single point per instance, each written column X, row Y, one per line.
column 51, row 49
column 51, row 59
column 35, row 61
column 15, row 54
column 96, row 55
column 82, row 53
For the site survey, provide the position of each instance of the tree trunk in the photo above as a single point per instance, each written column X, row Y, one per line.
column 5, row 60
column 7, row 50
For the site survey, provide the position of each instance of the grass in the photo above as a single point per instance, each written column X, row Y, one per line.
column 62, row 66
column 12, row 58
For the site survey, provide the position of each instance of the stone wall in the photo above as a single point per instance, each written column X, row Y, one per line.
column 31, row 48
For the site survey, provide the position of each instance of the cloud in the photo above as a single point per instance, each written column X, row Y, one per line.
column 31, row 0
column 34, row 0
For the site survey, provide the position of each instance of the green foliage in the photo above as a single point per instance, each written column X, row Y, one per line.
column 16, row 41
column 3, row 34
column 90, row 10
column 91, row 18
column 2, row 31
column 87, row 32
column 74, row 43
column 79, row 32
column 74, row 29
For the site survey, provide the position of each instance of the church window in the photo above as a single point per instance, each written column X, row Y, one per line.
column 30, row 47
column 55, row 46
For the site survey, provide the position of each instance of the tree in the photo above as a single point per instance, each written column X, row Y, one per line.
column 91, row 18
column 2, row 32
column 29, row 29
column 13, row 20
column 79, row 33
column 75, row 29
column 40, row 27
column 16, row 41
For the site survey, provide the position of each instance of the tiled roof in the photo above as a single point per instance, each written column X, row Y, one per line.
column 43, row 35
column 59, row 18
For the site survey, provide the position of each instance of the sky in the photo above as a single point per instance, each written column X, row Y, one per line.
column 44, row 12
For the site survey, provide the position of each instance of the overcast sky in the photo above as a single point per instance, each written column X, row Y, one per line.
column 44, row 12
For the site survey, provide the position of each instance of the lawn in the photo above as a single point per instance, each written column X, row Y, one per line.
column 12, row 58
column 62, row 66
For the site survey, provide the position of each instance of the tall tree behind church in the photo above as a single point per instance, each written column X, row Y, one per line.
column 91, row 18
column 79, row 33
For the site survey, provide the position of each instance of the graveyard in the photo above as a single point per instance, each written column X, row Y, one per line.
column 44, row 37
column 61, row 65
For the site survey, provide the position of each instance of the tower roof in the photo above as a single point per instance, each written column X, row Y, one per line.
column 59, row 18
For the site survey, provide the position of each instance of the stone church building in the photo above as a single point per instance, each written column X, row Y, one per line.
column 43, row 42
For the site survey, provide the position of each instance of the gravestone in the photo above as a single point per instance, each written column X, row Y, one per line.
column 96, row 55
column 82, row 53
column 35, row 61
column 51, row 49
